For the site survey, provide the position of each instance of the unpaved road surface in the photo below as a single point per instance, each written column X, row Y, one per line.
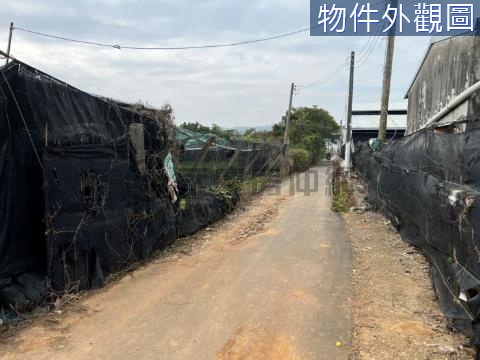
column 242, row 290
column 396, row 315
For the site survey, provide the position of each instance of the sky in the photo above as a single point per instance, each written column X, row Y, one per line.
column 239, row 86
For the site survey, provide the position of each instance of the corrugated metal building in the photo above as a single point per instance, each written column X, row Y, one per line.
column 449, row 68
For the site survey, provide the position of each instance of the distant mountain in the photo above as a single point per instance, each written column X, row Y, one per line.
column 242, row 129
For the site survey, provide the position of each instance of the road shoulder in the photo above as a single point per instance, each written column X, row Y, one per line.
column 396, row 315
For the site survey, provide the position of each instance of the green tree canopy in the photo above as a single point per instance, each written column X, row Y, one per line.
column 196, row 127
column 310, row 128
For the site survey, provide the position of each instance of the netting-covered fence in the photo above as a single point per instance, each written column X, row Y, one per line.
column 209, row 160
column 429, row 184
column 88, row 186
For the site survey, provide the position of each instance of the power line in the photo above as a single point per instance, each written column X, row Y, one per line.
column 368, row 44
column 367, row 50
column 326, row 78
column 119, row 47
column 379, row 2
column 364, row 54
column 191, row 47
column 371, row 48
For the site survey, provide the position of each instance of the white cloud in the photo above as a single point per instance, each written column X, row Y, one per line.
column 245, row 85
column 22, row 7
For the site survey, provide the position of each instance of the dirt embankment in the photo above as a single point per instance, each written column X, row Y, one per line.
column 396, row 315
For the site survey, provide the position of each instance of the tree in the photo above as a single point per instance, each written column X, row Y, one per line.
column 310, row 128
column 227, row 134
column 253, row 135
column 196, row 127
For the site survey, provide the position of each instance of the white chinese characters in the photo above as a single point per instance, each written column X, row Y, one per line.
column 363, row 14
column 428, row 17
column 417, row 18
column 460, row 17
column 397, row 14
column 334, row 17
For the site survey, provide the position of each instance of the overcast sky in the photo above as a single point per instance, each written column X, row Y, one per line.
column 241, row 86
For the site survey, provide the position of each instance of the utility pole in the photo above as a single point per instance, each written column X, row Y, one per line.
column 348, row 136
column 387, row 77
column 287, row 123
column 9, row 43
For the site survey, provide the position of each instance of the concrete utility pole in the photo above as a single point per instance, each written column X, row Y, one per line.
column 9, row 42
column 348, row 136
column 387, row 77
column 287, row 123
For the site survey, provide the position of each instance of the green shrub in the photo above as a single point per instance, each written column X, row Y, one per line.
column 247, row 188
column 301, row 159
column 343, row 198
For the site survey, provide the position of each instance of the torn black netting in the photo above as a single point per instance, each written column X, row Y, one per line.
column 90, row 185
column 429, row 184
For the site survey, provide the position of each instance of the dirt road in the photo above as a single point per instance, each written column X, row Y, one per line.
column 238, row 290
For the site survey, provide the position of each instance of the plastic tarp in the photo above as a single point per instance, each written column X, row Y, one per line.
column 193, row 140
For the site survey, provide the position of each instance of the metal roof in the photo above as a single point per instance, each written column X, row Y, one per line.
column 392, row 106
column 366, row 116
column 372, row 122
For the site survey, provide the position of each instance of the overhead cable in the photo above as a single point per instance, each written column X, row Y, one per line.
column 209, row 46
